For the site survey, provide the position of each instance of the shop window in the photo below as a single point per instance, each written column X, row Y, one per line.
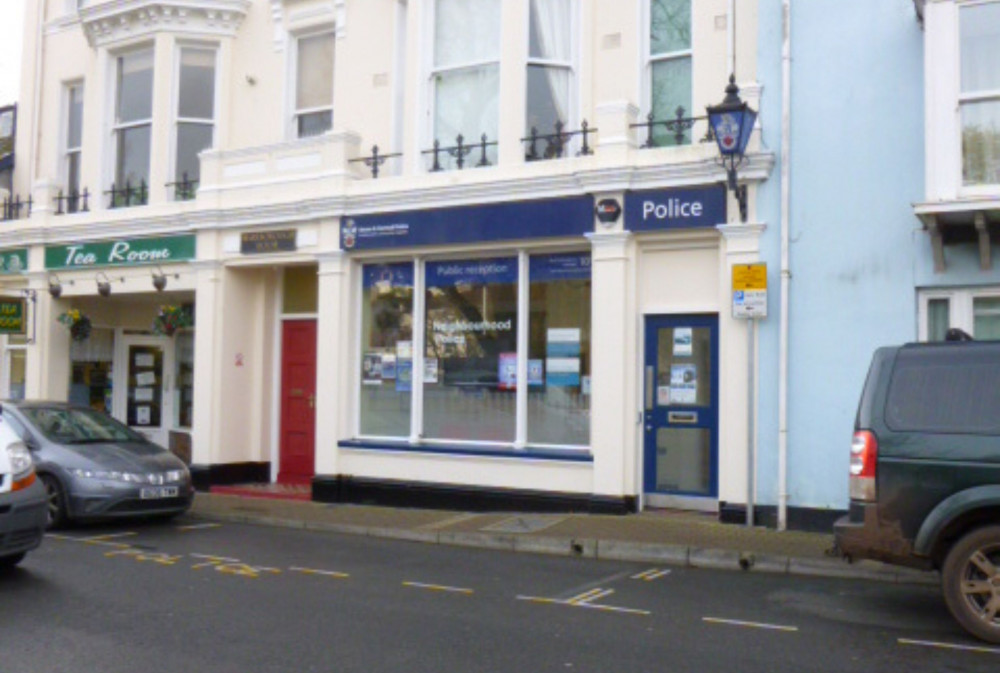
column 300, row 290
column 979, row 101
column 184, row 376
column 559, row 350
column 465, row 76
column 387, row 350
column 14, row 371
column 133, row 121
column 550, row 64
column 669, row 65
column 471, row 350
column 195, row 122
column 91, row 370
column 314, row 85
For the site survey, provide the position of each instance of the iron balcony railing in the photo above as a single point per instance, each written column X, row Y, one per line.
column 73, row 202
column 375, row 160
column 185, row 189
column 14, row 208
column 556, row 145
column 128, row 196
column 672, row 132
column 459, row 151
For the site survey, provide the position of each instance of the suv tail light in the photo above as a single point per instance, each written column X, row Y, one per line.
column 864, row 454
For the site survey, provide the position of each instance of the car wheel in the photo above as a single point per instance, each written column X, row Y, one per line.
column 56, row 502
column 11, row 561
column 971, row 582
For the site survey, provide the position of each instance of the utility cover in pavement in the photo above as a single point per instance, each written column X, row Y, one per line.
column 524, row 524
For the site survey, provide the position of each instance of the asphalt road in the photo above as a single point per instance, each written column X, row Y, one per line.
column 190, row 596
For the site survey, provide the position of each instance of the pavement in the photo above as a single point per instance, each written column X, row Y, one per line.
column 666, row 537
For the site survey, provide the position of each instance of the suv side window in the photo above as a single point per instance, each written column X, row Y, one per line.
column 943, row 391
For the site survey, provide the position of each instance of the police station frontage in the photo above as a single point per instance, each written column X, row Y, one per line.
column 536, row 355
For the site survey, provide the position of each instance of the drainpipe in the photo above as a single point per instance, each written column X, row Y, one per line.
column 37, row 98
column 786, row 274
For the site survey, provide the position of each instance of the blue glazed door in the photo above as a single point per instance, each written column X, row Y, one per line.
column 681, row 405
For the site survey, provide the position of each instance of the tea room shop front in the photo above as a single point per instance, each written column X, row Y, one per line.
column 612, row 311
column 118, row 324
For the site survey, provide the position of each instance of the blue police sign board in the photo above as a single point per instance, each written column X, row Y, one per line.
column 675, row 208
column 572, row 216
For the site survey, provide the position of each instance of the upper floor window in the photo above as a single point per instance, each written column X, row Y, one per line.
column 979, row 100
column 314, row 85
column 72, row 145
column 195, row 117
column 550, row 77
column 976, row 312
column 669, row 64
column 465, row 77
column 133, row 126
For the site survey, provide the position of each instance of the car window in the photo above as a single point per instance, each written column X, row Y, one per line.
column 78, row 426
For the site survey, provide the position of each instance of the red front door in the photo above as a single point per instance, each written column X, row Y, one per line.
column 298, row 402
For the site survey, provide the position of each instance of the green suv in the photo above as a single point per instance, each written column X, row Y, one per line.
column 925, row 472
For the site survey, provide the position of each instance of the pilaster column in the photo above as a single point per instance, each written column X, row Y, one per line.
column 333, row 359
column 207, row 362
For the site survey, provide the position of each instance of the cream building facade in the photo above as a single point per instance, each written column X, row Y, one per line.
column 505, row 321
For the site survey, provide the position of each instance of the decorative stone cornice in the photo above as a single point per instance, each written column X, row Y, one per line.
column 106, row 23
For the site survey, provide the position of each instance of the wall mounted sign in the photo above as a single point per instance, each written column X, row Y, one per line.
column 608, row 211
column 13, row 261
column 749, row 290
column 675, row 208
column 549, row 218
column 127, row 252
column 12, row 316
column 257, row 242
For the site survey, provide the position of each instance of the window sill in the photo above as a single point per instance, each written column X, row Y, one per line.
column 527, row 453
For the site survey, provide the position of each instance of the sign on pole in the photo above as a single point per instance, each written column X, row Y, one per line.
column 12, row 316
column 749, row 290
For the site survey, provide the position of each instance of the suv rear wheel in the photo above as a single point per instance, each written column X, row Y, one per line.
column 971, row 582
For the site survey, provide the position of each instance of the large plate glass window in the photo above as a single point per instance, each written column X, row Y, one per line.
column 14, row 372
column 314, row 85
column 195, row 117
column 133, row 123
column 470, row 364
column 669, row 65
column 184, row 390
column 559, row 350
column 387, row 349
column 550, row 66
column 979, row 102
column 73, row 145
column 91, row 370
column 465, row 78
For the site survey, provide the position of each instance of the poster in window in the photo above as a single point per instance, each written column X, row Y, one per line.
column 404, row 350
column 143, row 394
column 507, row 374
column 145, row 379
column 142, row 415
column 562, row 372
column 144, row 360
column 371, row 369
column 388, row 367
column 404, row 375
column 683, row 384
column 682, row 342
column 536, row 373
column 430, row 370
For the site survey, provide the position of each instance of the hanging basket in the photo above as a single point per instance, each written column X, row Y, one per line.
column 78, row 324
column 170, row 319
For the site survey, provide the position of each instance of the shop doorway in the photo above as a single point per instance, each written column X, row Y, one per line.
column 142, row 385
column 680, row 415
column 297, row 463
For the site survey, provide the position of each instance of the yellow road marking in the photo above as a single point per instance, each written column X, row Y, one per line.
column 754, row 625
column 651, row 574
column 324, row 573
column 438, row 587
column 198, row 526
column 950, row 646
column 98, row 540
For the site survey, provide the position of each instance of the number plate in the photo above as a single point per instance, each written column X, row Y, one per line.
column 158, row 492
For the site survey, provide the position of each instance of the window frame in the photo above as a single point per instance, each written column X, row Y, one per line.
column 961, row 307
column 572, row 66
column 431, row 83
column 963, row 99
column 177, row 120
column 294, row 112
column 419, row 262
column 116, row 125
column 649, row 60
column 66, row 153
column 9, row 349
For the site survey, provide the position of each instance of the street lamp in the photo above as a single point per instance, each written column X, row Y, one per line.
column 732, row 123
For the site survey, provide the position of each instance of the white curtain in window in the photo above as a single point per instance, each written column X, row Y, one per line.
column 980, row 51
column 98, row 347
column 468, row 103
column 466, row 31
column 552, row 23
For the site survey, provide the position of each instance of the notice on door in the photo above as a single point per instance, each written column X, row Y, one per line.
column 683, row 384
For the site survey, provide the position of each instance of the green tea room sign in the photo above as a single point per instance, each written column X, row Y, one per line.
column 11, row 316
column 128, row 252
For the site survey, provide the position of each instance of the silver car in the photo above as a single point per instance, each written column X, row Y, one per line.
column 93, row 467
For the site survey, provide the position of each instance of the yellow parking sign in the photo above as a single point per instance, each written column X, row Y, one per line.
column 749, row 290
column 749, row 277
